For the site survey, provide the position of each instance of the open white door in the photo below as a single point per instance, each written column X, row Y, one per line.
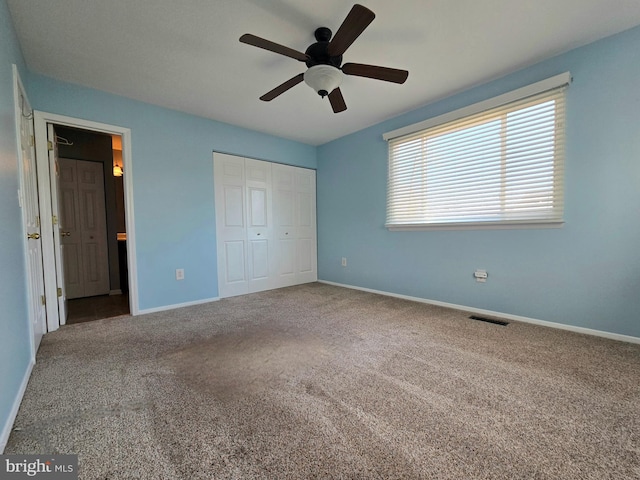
column 30, row 213
column 54, row 172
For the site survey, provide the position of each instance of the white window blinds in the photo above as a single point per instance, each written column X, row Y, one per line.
column 498, row 166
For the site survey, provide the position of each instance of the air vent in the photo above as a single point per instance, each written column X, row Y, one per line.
column 489, row 320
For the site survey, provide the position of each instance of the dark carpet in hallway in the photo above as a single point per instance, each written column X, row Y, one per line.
column 88, row 309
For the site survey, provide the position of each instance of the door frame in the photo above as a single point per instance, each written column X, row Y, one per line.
column 55, row 208
column 41, row 119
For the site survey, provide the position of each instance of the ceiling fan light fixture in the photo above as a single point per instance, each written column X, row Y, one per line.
column 324, row 79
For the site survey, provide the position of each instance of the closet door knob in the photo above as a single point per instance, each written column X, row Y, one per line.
column 33, row 236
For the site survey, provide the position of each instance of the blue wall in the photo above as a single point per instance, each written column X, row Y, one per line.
column 15, row 342
column 173, row 182
column 585, row 274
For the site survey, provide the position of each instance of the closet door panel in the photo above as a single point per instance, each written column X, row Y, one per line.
column 258, row 207
column 233, row 206
column 259, row 254
column 284, row 213
column 306, row 245
column 231, row 231
column 234, row 262
column 305, row 256
column 261, row 260
column 287, row 260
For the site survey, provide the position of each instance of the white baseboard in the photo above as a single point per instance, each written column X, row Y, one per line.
column 6, row 429
column 508, row 316
column 177, row 305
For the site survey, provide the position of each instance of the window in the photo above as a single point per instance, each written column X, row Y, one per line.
column 497, row 166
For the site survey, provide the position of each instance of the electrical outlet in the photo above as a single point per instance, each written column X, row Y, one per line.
column 480, row 276
column 344, row 261
column 179, row 273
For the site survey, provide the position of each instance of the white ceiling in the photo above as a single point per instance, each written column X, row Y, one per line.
column 186, row 55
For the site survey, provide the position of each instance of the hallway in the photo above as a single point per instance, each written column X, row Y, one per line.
column 94, row 308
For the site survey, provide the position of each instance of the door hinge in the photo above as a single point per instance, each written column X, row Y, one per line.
column 43, row 300
column 32, row 141
column 49, row 145
column 59, row 292
column 54, row 219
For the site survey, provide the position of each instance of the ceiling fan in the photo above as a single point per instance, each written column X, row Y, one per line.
column 324, row 60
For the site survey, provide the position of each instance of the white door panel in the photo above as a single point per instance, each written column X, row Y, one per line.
column 83, row 226
column 231, row 232
column 54, row 179
column 305, row 249
column 93, row 223
column 306, row 222
column 285, row 208
column 257, row 207
column 70, row 231
column 73, row 270
column 286, row 274
column 234, row 262
column 259, row 254
column 306, row 213
column 232, row 171
column 259, row 228
column 233, row 206
column 305, row 180
column 257, row 171
column 30, row 215
column 284, row 213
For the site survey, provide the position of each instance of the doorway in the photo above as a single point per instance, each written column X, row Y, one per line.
column 92, row 223
column 83, row 142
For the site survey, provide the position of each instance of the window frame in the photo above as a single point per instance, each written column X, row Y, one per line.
column 457, row 120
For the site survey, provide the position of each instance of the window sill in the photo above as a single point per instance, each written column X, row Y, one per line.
column 475, row 226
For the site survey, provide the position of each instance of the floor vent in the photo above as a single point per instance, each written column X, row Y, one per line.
column 489, row 320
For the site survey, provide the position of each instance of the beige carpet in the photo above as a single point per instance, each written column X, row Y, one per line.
column 317, row 381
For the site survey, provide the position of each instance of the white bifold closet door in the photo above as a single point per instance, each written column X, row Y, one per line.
column 265, row 224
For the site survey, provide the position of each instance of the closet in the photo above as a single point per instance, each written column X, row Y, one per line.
column 265, row 225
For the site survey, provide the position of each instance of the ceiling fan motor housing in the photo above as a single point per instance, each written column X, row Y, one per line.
column 318, row 52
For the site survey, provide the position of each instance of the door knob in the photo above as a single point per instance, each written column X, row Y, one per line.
column 65, row 234
column 33, row 236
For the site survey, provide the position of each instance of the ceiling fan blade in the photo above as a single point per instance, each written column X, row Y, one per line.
column 280, row 89
column 357, row 20
column 337, row 101
column 379, row 73
column 273, row 47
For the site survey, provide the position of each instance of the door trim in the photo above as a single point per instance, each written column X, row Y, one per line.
column 41, row 120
